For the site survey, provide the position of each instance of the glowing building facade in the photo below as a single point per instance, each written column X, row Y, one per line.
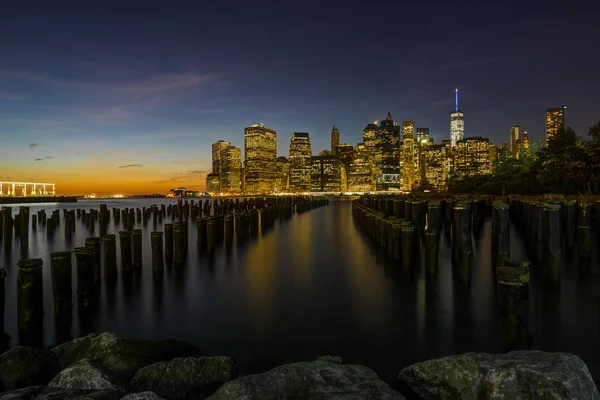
column 231, row 170
column 407, row 156
column 327, row 174
column 260, row 165
column 515, row 141
column 387, row 173
column 300, row 162
column 457, row 124
column 371, row 140
column 360, row 176
column 434, row 168
column 472, row 156
column 555, row 121
column 346, row 153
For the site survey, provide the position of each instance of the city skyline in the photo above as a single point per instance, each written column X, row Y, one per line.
column 135, row 109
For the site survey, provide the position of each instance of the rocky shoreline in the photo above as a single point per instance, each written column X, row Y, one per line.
column 106, row 367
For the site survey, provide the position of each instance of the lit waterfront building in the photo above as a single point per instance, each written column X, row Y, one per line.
column 346, row 153
column 388, row 175
column 435, row 168
column 260, row 165
column 555, row 121
column 217, row 148
column 407, row 157
column 213, row 183
column 515, row 141
column 472, row 156
column 449, row 155
column 230, row 170
column 327, row 174
column 525, row 144
column 360, row 176
column 457, row 123
column 335, row 140
column 300, row 162
column 283, row 169
column 371, row 140
column 493, row 157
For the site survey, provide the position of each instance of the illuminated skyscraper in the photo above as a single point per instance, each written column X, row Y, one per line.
column 435, row 168
column 260, row 165
column 371, row 140
column 389, row 148
column 346, row 153
column 300, row 162
column 493, row 157
column 407, row 158
column 422, row 135
column 360, row 177
column 515, row 141
column 335, row 140
column 525, row 143
column 555, row 121
column 327, row 174
column 212, row 183
column 283, row 169
column 231, row 170
column 217, row 148
column 457, row 123
column 472, row 156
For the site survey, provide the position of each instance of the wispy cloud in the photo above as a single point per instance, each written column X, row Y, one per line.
column 185, row 176
column 131, row 166
column 464, row 64
column 43, row 158
column 33, row 146
column 4, row 95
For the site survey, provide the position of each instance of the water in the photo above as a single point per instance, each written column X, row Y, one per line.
column 315, row 285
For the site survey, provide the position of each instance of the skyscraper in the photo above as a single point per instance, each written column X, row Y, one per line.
column 335, row 140
column 525, row 143
column 435, row 168
column 515, row 141
column 389, row 149
column 457, row 123
column 217, row 148
column 472, row 156
column 260, row 165
column 555, row 121
column 407, row 158
column 346, row 153
column 231, row 170
column 422, row 135
column 371, row 141
column 327, row 174
column 360, row 177
column 300, row 162
column 422, row 140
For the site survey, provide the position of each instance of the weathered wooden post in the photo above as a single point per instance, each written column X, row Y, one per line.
column 60, row 264
column 210, row 234
column 228, row 228
column 156, row 239
column 125, row 245
column 86, row 289
column 584, row 231
column 168, row 241
column 4, row 337
column 552, row 250
column 30, row 297
column 95, row 243
column 500, row 232
column 179, row 243
column 432, row 248
column 569, row 222
column 136, row 248
column 201, row 236
column 513, row 292
column 408, row 243
column 434, row 216
column 461, row 240
column 110, row 256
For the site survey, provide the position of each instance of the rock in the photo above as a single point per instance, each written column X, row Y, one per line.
column 48, row 393
column 333, row 359
column 84, row 376
column 142, row 396
column 122, row 356
column 309, row 380
column 514, row 375
column 26, row 366
column 183, row 377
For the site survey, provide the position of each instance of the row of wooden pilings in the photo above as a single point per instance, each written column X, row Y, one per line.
column 100, row 253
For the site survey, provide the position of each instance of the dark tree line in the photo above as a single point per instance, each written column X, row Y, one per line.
column 568, row 164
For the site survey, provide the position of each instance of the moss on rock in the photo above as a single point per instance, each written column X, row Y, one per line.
column 84, row 376
column 26, row 366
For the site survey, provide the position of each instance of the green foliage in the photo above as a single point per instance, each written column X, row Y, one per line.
column 567, row 164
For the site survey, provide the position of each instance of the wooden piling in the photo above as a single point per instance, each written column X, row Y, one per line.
column 156, row 239
column 30, row 296
column 168, row 241
column 62, row 292
column 110, row 256
column 136, row 248
column 95, row 244
column 86, row 288
column 125, row 245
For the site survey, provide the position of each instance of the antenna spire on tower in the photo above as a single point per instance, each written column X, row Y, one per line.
column 456, row 101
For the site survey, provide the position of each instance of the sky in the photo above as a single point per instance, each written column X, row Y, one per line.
column 127, row 97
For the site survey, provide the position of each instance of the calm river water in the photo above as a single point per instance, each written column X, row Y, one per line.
column 315, row 285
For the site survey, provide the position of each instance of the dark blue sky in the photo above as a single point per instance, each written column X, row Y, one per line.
column 166, row 79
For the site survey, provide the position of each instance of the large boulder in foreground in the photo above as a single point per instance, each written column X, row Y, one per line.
column 48, row 393
column 515, row 375
column 84, row 376
column 184, row 377
column 26, row 366
column 309, row 380
column 121, row 356
column 142, row 396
